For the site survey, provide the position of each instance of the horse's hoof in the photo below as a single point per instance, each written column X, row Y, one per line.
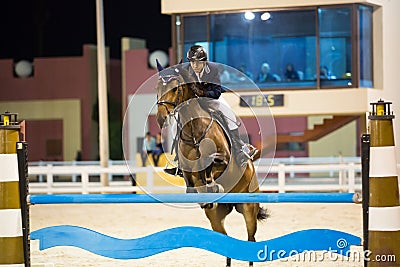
column 191, row 190
column 208, row 205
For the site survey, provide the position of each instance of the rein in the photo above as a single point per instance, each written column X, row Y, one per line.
column 193, row 141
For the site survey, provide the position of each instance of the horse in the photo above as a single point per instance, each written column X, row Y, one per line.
column 204, row 150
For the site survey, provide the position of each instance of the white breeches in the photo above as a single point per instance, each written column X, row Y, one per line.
column 223, row 106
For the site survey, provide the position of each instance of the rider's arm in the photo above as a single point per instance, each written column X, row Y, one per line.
column 214, row 88
column 214, row 91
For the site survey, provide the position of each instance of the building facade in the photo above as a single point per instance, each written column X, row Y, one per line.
column 344, row 51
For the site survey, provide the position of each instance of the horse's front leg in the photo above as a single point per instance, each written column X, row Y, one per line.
column 217, row 218
column 190, row 188
column 211, row 185
column 249, row 212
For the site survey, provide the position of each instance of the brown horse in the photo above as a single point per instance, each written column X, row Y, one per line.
column 204, row 150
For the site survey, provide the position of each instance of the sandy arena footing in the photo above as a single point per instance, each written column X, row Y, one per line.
column 138, row 220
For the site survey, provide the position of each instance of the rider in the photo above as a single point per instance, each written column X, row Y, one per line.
column 207, row 74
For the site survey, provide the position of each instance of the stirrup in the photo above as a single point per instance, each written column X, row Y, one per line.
column 249, row 150
column 174, row 171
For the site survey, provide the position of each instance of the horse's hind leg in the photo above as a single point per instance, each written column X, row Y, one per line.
column 216, row 217
column 249, row 212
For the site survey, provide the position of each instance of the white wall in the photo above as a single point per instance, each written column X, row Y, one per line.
column 342, row 142
column 387, row 61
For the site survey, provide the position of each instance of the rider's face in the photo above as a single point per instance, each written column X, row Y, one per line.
column 197, row 66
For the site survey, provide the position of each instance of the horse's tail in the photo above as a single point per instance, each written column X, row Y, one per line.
column 263, row 214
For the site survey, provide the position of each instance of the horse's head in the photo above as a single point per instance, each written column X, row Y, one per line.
column 172, row 90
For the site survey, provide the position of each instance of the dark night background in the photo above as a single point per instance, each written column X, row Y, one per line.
column 51, row 28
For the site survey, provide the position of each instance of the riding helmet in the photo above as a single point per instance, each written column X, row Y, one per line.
column 197, row 52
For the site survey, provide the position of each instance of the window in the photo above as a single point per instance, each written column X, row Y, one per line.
column 335, row 47
column 365, row 21
column 287, row 49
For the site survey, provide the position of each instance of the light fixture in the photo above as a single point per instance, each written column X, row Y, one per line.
column 249, row 15
column 161, row 56
column 265, row 16
column 23, row 68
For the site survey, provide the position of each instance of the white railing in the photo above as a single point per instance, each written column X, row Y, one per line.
column 338, row 174
column 342, row 177
column 84, row 186
column 76, row 163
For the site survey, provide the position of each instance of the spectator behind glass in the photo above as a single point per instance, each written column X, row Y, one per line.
column 290, row 73
column 224, row 75
column 265, row 75
column 241, row 76
column 324, row 73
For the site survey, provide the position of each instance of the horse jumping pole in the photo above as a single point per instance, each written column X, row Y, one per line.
column 194, row 198
column 384, row 204
column 14, row 231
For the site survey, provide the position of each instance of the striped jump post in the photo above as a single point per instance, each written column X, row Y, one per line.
column 14, row 246
column 384, row 205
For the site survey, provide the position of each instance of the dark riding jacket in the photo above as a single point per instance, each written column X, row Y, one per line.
column 210, row 81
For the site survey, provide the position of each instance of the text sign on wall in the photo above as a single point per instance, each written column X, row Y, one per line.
column 269, row 100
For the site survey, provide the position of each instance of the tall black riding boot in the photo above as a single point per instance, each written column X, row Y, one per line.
column 176, row 171
column 237, row 152
column 247, row 150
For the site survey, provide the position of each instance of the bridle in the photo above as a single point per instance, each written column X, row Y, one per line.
column 165, row 79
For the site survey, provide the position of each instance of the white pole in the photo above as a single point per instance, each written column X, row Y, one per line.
column 102, row 92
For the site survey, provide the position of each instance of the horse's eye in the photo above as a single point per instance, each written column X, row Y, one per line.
column 174, row 89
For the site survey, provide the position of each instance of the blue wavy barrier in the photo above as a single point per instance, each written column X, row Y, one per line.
column 196, row 237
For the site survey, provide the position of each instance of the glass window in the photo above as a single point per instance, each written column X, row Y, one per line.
column 335, row 47
column 195, row 32
column 287, row 49
column 365, row 18
column 263, row 44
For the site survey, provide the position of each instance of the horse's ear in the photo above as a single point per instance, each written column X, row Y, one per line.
column 159, row 67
